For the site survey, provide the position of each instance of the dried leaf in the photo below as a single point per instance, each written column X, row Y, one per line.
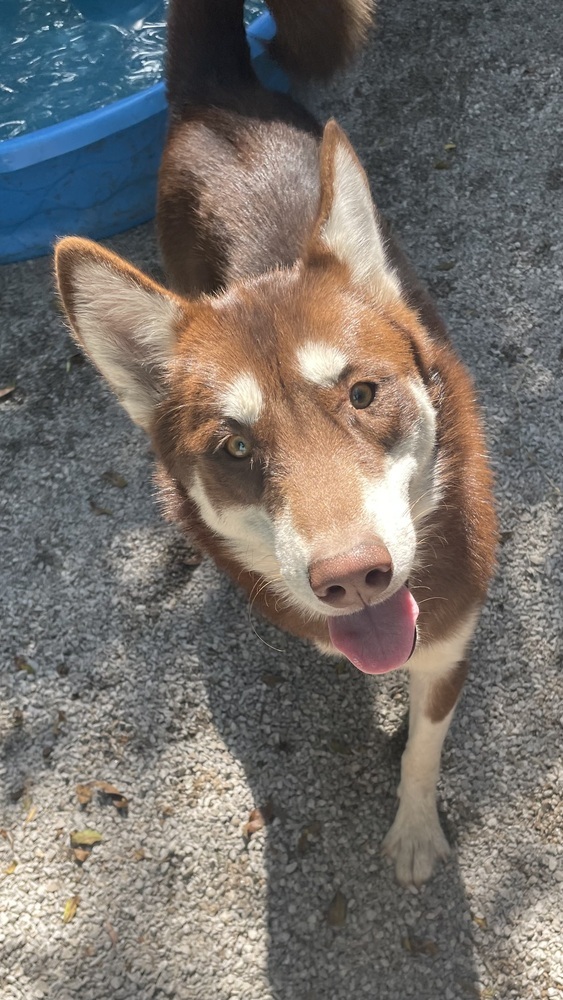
column 257, row 819
column 480, row 921
column 31, row 815
column 420, row 946
column 22, row 664
column 6, row 835
column 11, row 868
column 442, row 165
column 85, row 838
column 111, row 792
column 82, row 854
column 270, row 680
column 311, row 830
column 17, row 718
column 84, row 794
column 336, row 913
column 70, row 909
column 252, row 827
column 338, row 746
column 106, row 788
column 99, row 511
column 83, row 841
column 56, row 727
column 267, row 811
column 113, row 935
column 450, row 146
column 114, row 479
column 6, row 391
column 139, row 854
column 75, row 361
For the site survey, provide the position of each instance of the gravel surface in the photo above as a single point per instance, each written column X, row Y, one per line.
column 124, row 663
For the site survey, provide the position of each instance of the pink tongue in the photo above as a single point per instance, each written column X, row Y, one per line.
column 380, row 637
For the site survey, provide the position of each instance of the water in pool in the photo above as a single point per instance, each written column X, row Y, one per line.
column 59, row 58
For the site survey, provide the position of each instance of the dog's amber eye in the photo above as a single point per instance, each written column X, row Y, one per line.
column 238, row 446
column 362, row 394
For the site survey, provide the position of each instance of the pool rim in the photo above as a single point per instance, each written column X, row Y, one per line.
column 73, row 133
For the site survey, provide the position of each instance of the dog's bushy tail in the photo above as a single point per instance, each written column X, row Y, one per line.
column 315, row 38
column 207, row 45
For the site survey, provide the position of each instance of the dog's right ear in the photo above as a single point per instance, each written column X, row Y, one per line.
column 125, row 322
column 347, row 225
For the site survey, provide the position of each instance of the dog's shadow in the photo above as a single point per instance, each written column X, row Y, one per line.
column 320, row 745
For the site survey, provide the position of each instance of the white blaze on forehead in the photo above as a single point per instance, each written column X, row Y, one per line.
column 242, row 400
column 321, row 363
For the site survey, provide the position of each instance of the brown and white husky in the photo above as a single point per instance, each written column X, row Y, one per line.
column 315, row 432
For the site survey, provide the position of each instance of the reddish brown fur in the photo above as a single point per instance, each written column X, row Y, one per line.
column 255, row 226
column 323, row 38
column 222, row 174
column 446, row 691
column 242, row 193
column 302, row 422
column 456, row 561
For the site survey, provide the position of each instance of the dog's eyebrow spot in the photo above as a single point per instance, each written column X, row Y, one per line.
column 321, row 363
column 242, row 400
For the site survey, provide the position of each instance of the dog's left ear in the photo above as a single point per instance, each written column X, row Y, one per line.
column 347, row 224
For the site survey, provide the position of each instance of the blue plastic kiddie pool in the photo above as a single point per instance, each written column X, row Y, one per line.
column 96, row 174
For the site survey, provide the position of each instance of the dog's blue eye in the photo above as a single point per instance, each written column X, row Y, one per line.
column 238, row 446
column 362, row 394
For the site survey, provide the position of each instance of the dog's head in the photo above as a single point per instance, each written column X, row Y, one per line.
column 295, row 408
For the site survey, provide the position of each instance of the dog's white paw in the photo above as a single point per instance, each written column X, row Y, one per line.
column 415, row 842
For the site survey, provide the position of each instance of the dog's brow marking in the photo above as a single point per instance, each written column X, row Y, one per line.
column 321, row 363
column 242, row 400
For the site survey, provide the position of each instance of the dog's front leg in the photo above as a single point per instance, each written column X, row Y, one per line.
column 416, row 841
